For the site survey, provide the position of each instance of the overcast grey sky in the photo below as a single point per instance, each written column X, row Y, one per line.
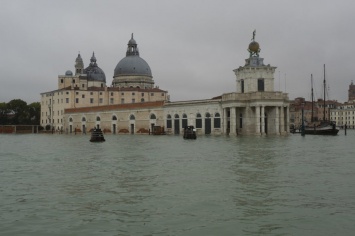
column 192, row 46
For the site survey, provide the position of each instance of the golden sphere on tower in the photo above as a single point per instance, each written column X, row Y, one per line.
column 254, row 47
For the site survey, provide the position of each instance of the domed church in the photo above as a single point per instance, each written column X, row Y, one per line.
column 134, row 105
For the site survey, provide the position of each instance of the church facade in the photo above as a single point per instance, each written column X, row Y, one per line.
column 134, row 105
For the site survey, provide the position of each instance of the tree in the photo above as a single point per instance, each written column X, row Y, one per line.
column 3, row 113
column 20, row 110
column 35, row 113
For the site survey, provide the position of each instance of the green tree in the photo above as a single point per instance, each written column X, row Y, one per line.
column 20, row 110
column 3, row 113
column 35, row 113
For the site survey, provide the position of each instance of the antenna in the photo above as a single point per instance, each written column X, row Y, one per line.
column 279, row 81
column 285, row 82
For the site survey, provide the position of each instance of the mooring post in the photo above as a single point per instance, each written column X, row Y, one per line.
column 345, row 128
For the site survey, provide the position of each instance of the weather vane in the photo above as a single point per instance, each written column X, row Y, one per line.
column 253, row 39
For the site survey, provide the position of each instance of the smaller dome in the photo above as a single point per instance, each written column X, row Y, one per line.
column 69, row 73
column 254, row 47
column 94, row 73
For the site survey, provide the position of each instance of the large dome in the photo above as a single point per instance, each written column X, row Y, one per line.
column 93, row 72
column 132, row 65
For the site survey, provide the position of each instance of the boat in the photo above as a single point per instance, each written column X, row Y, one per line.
column 97, row 135
column 189, row 132
column 325, row 127
column 158, row 130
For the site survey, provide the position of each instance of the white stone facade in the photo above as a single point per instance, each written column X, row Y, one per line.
column 134, row 106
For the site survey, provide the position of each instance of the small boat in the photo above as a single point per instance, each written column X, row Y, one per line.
column 189, row 132
column 97, row 136
column 158, row 130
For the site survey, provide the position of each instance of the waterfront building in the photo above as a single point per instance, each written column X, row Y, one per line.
column 344, row 114
column 133, row 104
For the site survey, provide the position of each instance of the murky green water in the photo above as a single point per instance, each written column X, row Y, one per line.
column 164, row 185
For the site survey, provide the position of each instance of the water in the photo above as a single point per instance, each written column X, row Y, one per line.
column 164, row 185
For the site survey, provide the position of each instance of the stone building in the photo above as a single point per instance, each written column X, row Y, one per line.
column 133, row 104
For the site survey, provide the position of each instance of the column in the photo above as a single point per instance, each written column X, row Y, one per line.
column 262, row 120
column 282, row 123
column 287, row 119
column 224, row 118
column 233, row 121
column 257, row 121
column 203, row 123
column 277, row 120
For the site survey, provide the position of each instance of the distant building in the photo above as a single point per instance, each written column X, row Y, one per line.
column 351, row 94
column 133, row 104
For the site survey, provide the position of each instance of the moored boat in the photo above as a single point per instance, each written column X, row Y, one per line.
column 189, row 132
column 326, row 126
column 97, row 136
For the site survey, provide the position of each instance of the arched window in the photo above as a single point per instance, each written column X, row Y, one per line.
column 131, row 117
column 98, row 118
column 142, row 99
column 198, row 121
column 208, row 115
column 152, row 117
column 217, row 120
column 83, row 119
column 70, row 119
column 240, row 120
column 114, row 117
column 168, row 122
column 176, row 116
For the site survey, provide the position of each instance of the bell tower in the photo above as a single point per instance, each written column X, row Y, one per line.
column 79, row 65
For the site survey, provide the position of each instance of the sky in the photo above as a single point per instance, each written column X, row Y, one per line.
column 191, row 46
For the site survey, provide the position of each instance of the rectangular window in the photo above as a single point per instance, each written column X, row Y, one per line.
column 61, row 80
column 67, row 100
column 122, row 100
column 91, row 93
column 100, row 93
column 217, row 122
column 162, row 94
column 168, row 124
column 142, row 94
column 83, row 96
column 133, row 94
column 101, row 100
column 133, row 100
column 261, row 85
column 83, row 85
column 111, row 100
column 76, row 93
column 122, row 94
column 199, row 123
column 67, row 92
column 111, row 94
column 76, row 100
column 242, row 85
column 91, row 100
column 151, row 94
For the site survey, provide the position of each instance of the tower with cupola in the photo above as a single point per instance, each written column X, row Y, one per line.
column 254, row 76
